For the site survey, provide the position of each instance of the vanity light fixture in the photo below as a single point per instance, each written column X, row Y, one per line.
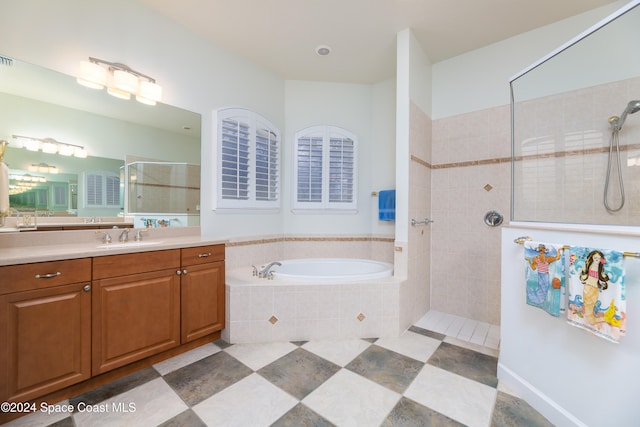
column 28, row 178
column 121, row 81
column 49, row 145
column 43, row 168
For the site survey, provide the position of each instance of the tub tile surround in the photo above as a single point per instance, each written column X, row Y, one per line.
column 258, row 251
column 276, row 310
column 308, row 311
column 426, row 380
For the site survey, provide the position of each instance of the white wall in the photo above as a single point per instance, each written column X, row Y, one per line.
column 383, row 156
column 480, row 79
column 420, row 76
column 569, row 375
column 403, row 99
column 349, row 106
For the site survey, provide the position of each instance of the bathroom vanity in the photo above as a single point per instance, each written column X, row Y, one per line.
column 99, row 311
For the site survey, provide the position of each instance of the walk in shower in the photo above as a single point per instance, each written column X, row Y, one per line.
column 576, row 140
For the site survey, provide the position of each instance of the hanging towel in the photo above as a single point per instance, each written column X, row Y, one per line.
column 544, row 273
column 4, row 188
column 387, row 205
column 597, row 300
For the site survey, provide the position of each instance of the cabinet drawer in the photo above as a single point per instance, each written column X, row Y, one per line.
column 202, row 254
column 41, row 275
column 139, row 262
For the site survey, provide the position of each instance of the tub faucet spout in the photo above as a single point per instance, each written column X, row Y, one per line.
column 265, row 270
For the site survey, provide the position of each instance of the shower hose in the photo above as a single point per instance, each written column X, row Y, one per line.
column 615, row 139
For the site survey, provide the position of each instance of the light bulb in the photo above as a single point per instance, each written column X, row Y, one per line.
column 125, row 81
column 92, row 75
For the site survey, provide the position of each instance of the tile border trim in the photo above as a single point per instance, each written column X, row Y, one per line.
column 310, row 239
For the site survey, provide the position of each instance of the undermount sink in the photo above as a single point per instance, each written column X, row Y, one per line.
column 127, row 245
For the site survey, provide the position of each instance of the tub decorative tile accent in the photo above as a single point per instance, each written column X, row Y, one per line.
column 361, row 317
column 273, row 320
column 488, row 187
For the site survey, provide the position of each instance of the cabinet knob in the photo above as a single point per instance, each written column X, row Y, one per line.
column 86, row 288
column 178, row 272
column 184, row 271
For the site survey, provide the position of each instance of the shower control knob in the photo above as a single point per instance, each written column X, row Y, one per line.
column 493, row 218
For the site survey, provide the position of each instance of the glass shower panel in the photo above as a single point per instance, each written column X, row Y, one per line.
column 163, row 187
column 561, row 132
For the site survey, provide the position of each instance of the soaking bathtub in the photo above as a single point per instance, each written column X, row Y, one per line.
column 327, row 270
column 312, row 299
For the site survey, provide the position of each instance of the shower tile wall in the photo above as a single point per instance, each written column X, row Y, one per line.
column 470, row 175
column 415, row 292
column 563, row 142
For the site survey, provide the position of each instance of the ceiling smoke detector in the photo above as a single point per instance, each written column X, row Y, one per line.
column 323, row 50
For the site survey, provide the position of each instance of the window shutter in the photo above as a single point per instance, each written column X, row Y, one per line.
column 267, row 175
column 248, row 161
column 94, row 189
column 60, row 195
column 309, row 181
column 102, row 189
column 112, row 190
column 325, row 169
column 235, row 160
column 341, row 168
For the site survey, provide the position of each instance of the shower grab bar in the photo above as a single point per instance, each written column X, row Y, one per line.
column 425, row 221
column 520, row 241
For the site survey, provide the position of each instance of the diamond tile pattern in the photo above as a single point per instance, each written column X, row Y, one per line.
column 418, row 379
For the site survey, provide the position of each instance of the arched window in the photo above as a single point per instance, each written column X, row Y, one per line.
column 325, row 169
column 248, row 161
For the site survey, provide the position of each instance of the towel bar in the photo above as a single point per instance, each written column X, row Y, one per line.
column 520, row 241
column 425, row 221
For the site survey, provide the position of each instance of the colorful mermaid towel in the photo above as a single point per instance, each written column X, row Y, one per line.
column 596, row 292
column 544, row 272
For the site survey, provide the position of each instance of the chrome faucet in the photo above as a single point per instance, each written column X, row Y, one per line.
column 265, row 270
column 124, row 236
column 107, row 237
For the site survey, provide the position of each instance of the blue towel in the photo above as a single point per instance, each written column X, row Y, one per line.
column 387, row 205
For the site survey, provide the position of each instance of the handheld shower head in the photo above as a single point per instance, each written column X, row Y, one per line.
column 632, row 107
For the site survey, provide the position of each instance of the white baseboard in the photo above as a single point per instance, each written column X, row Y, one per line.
column 553, row 412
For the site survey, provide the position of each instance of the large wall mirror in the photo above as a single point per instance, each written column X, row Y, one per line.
column 570, row 165
column 36, row 102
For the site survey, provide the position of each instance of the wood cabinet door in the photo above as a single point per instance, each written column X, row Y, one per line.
column 46, row 340
column 203, row 300
column 134, row 317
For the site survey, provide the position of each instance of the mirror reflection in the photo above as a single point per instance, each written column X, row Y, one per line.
column 44, row 105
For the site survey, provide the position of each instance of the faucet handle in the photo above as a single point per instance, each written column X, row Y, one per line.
column 124, row 236
column 139, row 234
column 255, row 270
column 107, row 237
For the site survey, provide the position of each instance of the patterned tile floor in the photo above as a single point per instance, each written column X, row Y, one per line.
column 422, row 378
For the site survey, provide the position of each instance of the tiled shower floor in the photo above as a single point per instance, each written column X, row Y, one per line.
column 422, row 378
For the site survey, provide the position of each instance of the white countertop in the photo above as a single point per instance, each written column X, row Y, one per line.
column 24, row 248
